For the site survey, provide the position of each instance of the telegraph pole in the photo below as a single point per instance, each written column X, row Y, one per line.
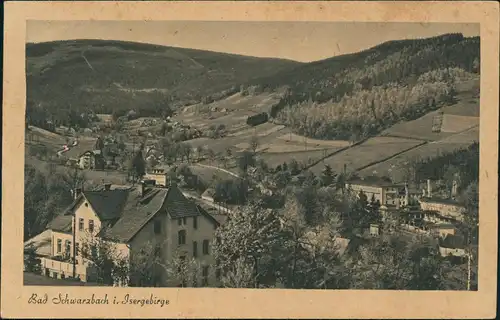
column 74, row 225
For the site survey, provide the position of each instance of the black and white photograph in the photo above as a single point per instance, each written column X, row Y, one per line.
column 252, row 154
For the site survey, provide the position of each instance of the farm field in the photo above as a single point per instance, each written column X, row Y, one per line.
column 265, row 133
column 275, row 159
column 457, row 117
column 231, row 112
column 207, row 174
column 91, row 176
column 372, row 150
column 394, row 167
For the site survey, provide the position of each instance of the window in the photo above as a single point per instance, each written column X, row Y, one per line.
column 182, row 237
column 204, row 277
column 205, row 247
column 80, row 224
column 68, row 246
column 91, row 225
column 184, row 221
column 157, row 251
column 195, row 223
column 59, row 245
column 77, row 248
column 157, row 227
column 179, row 221
column 195, row 249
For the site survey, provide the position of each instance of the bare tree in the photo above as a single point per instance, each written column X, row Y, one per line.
column 254, row 143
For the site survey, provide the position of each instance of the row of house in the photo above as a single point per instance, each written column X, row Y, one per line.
column 417, row 208
column 130, row 218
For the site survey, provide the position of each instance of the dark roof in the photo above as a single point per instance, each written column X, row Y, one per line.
column 61, row 222
column 107, row 204
column 136, row 213
column 452, row 242
column 125, row 212
column 372, row 181
column 179, row 206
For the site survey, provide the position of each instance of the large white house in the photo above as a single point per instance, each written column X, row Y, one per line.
column 129, row 218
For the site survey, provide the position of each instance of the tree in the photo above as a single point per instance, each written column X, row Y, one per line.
column 182, row 270
column 471, row 200
column 99, row 144
column 239, row 274
column 254, row 144
column 245, row 160
column 109, row 263
column 200, row 152
column 251, row 238
column 327, row 176
column 294, row 224
column 211, row 154
column 32, row 262
column 138, row 166
column 294, row 167
column 186, row 150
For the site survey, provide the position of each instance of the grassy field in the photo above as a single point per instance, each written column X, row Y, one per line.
column 277, row 158
column 231, row 112
column 372, row 150
column 395, row 167
column 207, row 175
column 457, row 117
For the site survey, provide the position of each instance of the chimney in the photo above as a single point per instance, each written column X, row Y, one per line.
column 429, row 188
column 107, row 186
column 407, row 195
column 454, row 189
column 345, row 168
column 77, row 192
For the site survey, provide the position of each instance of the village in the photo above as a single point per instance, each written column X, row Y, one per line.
column 121, row 203
column 179, row 167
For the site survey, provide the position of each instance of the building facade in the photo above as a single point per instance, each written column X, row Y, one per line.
column 132, row 220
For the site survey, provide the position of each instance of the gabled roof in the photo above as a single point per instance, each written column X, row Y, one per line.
column 61, row 222
column 136, row 213
column 124, row 212
column 179, row 206
column 452, row 242
column 107, row 204
column 372, row 181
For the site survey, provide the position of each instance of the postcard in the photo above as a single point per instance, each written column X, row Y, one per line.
column 250, row 159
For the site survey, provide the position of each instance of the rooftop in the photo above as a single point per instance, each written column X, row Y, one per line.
column 373, row 181
column 452, row 242
column 125, row 211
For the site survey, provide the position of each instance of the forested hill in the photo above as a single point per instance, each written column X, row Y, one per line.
column 102, row 75
column 364, row 92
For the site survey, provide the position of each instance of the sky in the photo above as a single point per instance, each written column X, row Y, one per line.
column 300, row 41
